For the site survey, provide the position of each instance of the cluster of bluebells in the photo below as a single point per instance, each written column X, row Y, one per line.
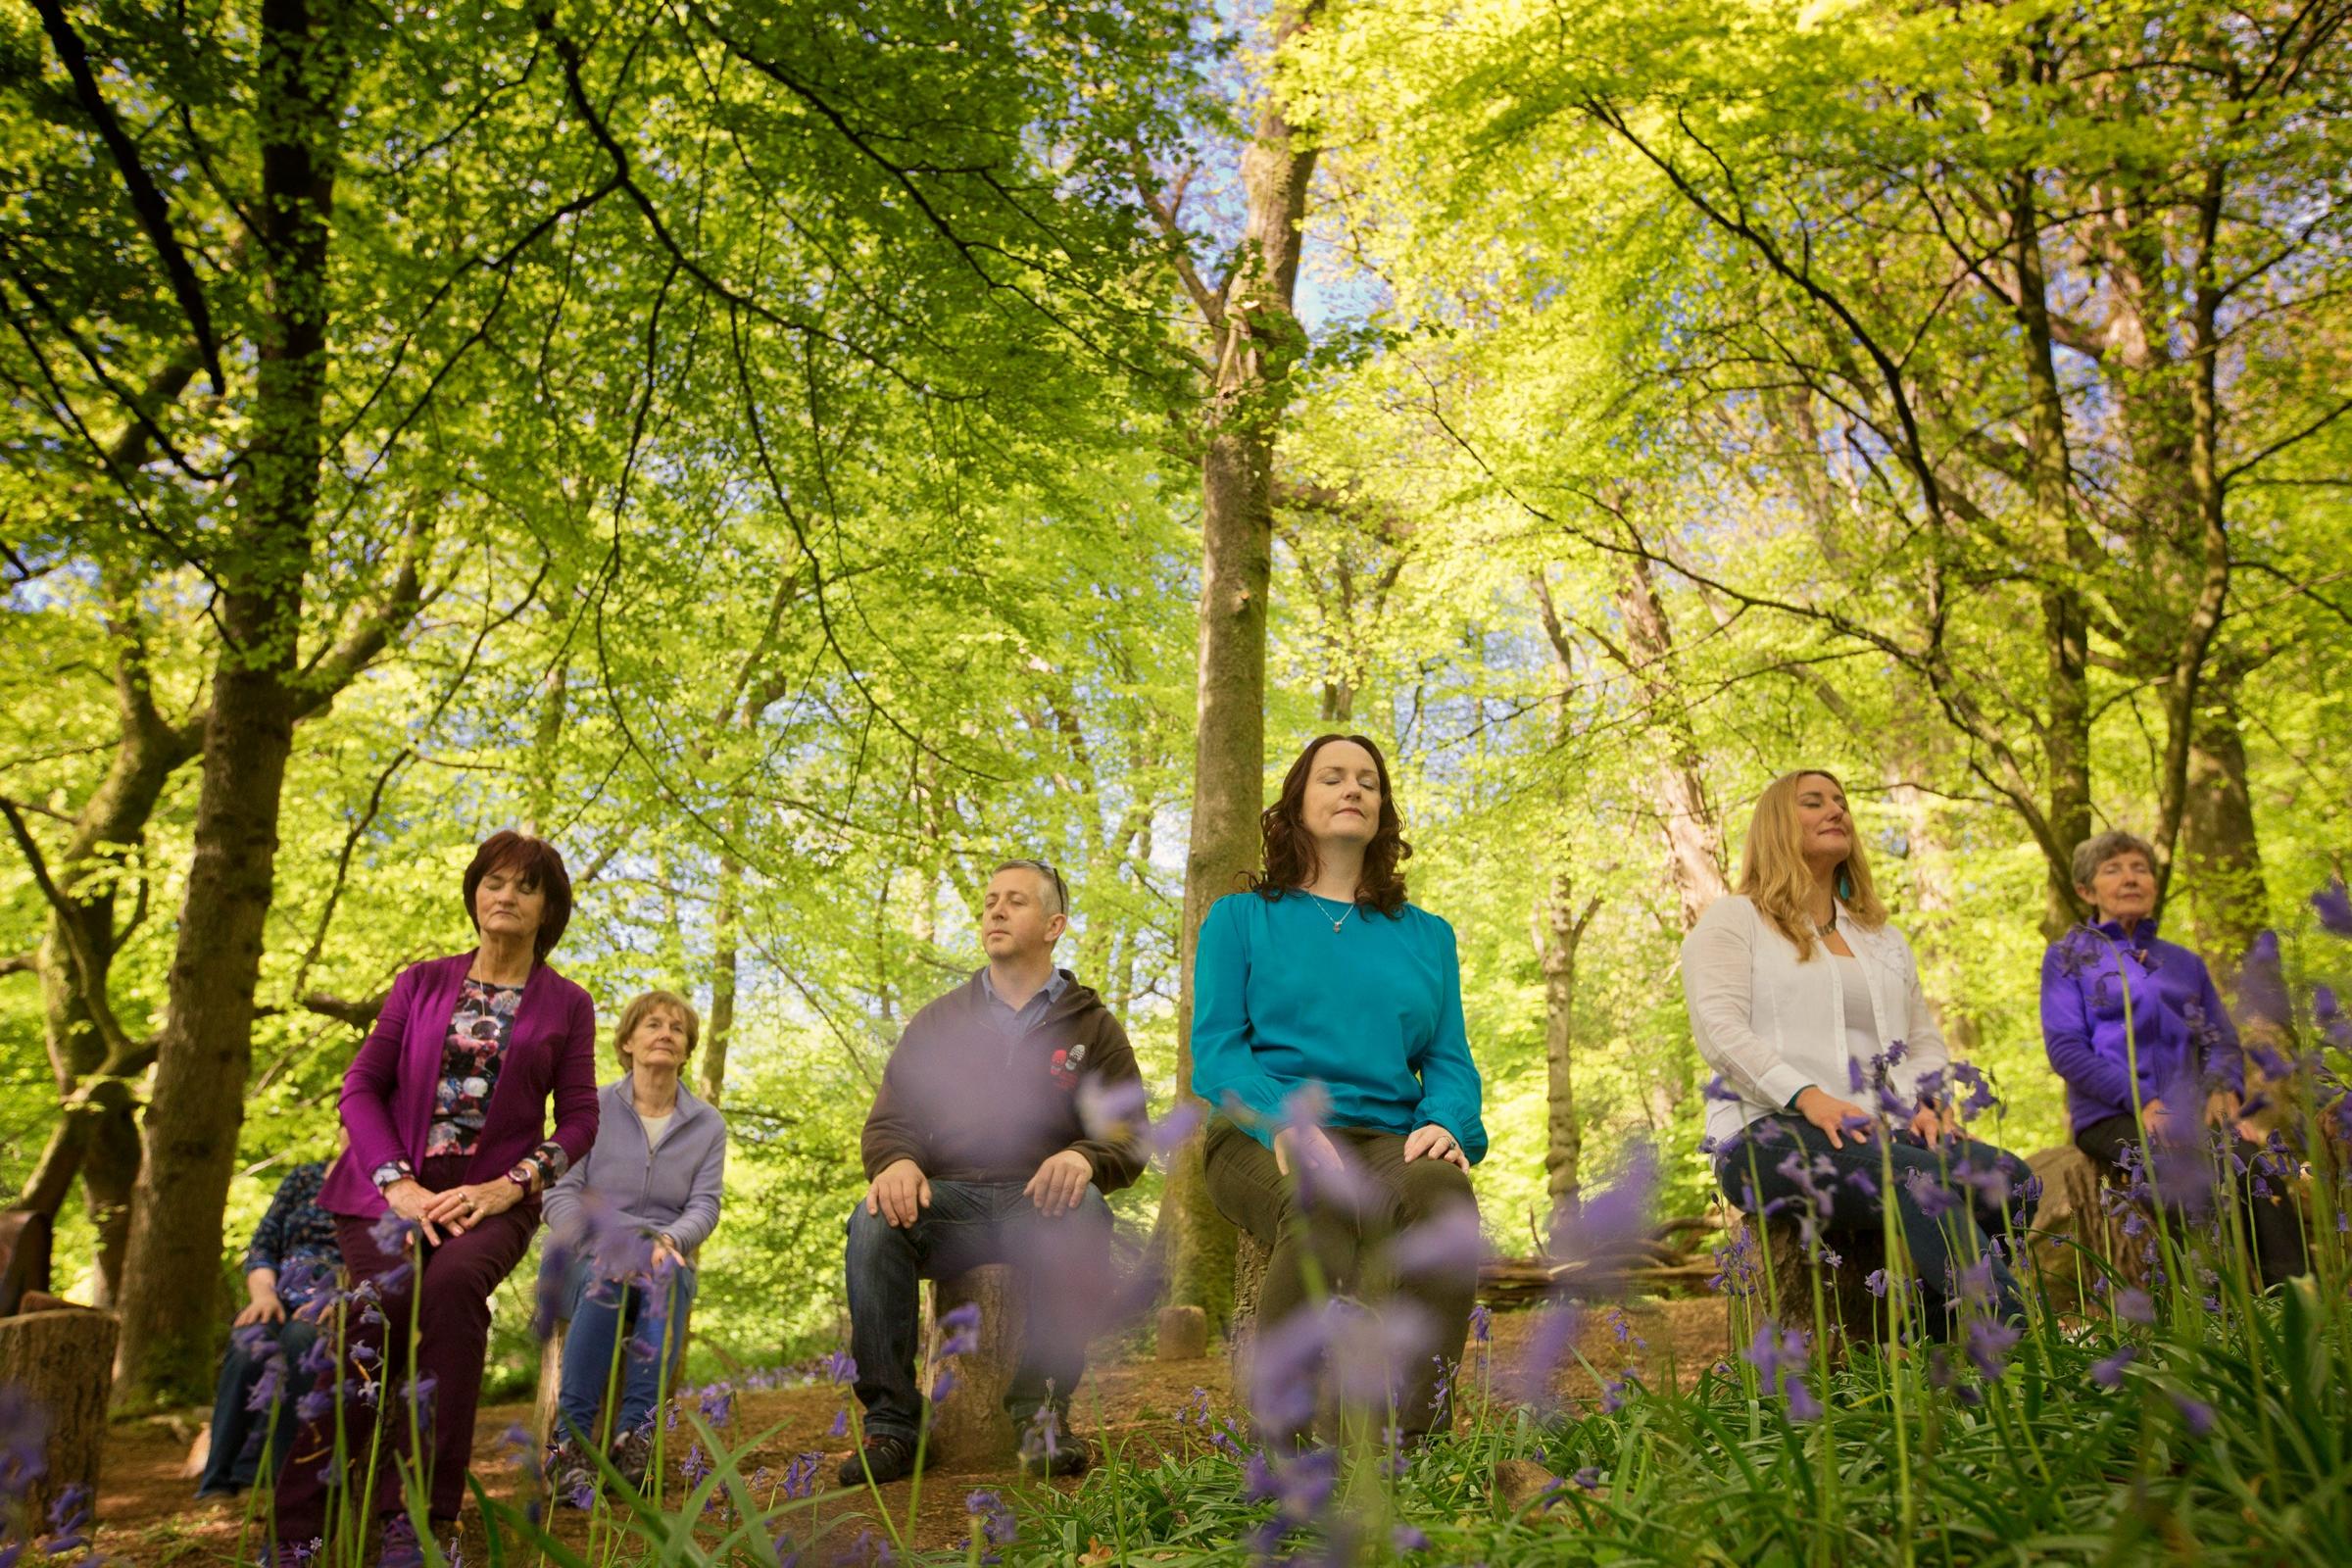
column 1782, row 1358
column 992, row 1526
column 24, row 1462
column 958, row 1335
column 1224, row 1433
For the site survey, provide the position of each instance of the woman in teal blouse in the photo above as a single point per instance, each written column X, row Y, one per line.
column 1324, row 979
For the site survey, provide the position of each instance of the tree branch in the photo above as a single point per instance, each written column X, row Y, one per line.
column 154, row 212
column 89, row 972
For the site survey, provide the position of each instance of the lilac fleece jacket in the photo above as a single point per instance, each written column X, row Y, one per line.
column 2180, row 1030
column 672, row 1188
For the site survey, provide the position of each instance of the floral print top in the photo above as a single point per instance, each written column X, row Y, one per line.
column 470, row 1056
column 470, row 1061
column 297, row 1238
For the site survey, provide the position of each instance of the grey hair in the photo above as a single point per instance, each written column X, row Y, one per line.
column 2100, row 847
column 1057, row 892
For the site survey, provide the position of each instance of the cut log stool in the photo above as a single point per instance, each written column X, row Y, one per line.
column 1250, row 1258
column 1785, row 1291
column 971, row 1428
column 2075, row 1240
column 62, row 1358
column 1183, row 1334
column 551, row 1383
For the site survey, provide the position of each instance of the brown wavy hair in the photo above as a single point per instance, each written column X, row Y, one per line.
column 1291, row 860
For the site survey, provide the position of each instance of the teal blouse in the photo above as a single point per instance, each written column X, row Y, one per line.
column 1372, row 1012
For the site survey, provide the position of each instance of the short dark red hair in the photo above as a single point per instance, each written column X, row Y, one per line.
column 1291, row 860
column 541, row 868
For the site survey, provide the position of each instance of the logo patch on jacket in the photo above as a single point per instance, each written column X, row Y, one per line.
column 1066, row 1064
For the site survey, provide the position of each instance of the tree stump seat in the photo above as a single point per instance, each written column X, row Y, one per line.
column 59, row 1358
column 2077, row 1238
column 1780, row 1280
column 546, row 1399
column 970, row 1429
column 1250, row 1258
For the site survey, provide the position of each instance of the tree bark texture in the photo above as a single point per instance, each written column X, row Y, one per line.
column 725, row 963
column 97, row 1135
column 1693, row 839
column 2229, row 896
column 970, row 1429
column 59, row 1358
column 1561, row 929
column 261, row 564
column 1254, row 340
column 2064, row 620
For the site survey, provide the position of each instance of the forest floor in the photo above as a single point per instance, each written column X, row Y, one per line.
column 149, row 1518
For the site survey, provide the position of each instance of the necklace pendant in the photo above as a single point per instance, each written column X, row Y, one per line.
column 1335, row 925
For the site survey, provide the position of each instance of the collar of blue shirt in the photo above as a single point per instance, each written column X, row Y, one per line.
column 1029, row 1014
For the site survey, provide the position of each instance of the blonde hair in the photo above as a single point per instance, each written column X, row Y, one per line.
column 1775, row 879
column 636, row 1012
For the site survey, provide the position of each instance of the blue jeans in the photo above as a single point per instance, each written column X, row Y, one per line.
column 235, row 1455
column 602, row 1310
column 1066, row 1267
column 1947, row 1221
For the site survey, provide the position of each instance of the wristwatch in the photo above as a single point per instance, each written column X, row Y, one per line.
column 525, row 1175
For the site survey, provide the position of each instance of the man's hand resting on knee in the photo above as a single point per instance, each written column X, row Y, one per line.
column 900, row 1193
column 1060, row 1183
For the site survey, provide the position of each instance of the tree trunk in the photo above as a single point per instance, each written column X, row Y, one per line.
column 2229, row 897
column 547, row 746
column 98, row 1139
column 1559, row 930
column 1256, row 339
column 724, row 965
column 2064, row 620
column 1927, row 860
column 1693, row 841
column 205, row 1045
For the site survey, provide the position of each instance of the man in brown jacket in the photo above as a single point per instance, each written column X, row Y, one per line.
column 975, row 1153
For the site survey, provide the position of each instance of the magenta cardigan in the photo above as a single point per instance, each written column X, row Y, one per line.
column 388, row 1102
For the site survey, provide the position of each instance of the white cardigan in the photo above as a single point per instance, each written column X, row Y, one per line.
column 1771, row 1025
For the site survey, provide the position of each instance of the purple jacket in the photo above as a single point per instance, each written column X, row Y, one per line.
column 2180, row 1033
column 388, row 1102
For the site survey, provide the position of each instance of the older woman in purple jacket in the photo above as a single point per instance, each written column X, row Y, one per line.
column 437, row 1196
column 2135, row 1027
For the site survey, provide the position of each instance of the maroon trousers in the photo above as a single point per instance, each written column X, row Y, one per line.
column 450, row 1296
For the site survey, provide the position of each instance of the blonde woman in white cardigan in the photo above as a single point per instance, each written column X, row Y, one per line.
column 1807, row 1006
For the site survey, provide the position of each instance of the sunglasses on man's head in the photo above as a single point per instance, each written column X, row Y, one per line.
column 1061, row 894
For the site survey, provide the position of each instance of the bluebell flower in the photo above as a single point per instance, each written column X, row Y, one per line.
column 1990, row 1344
column 391, row 1233
column 2333, row 906
column 1775, row 1352
column 960, row 1330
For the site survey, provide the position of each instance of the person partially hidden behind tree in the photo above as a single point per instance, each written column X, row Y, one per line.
column 293, row 1259
column 977, row 1152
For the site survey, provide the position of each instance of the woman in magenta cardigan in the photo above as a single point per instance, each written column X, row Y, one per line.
column 437, row 1196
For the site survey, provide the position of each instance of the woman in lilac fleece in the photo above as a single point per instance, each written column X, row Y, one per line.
column 2174, row 1068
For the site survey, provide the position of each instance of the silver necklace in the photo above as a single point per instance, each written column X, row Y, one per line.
column 1336, row 925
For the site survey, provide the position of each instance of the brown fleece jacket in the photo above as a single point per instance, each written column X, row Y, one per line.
column 967, row 1103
